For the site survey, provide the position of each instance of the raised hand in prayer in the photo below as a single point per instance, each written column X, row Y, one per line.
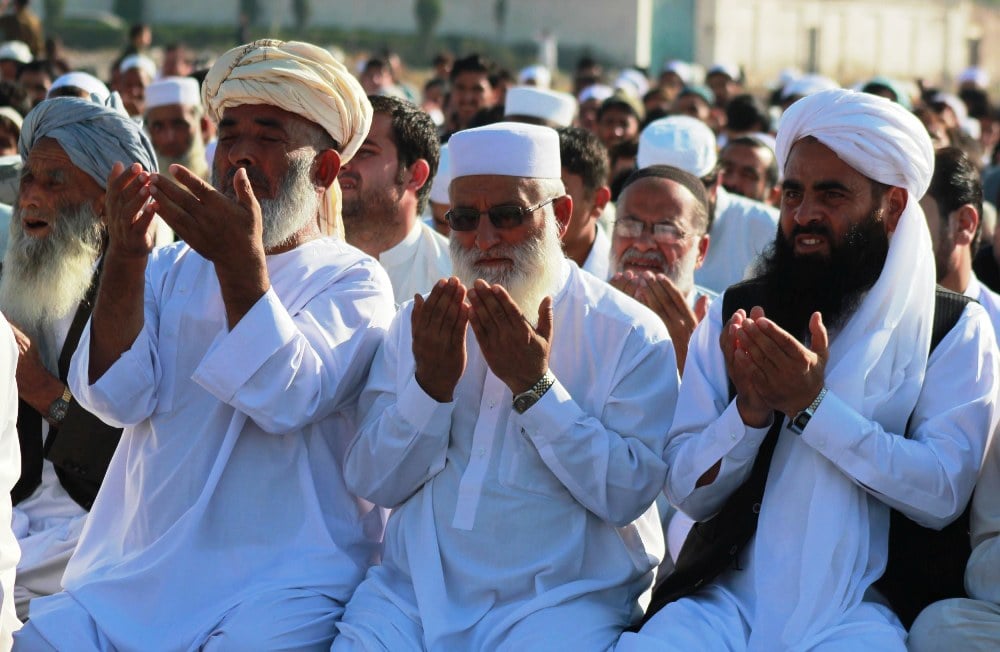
column 658, row 293
column 36, row 386
column 438, row 326
column 127, row 212
column 517, row 353
column 226, row 231
column 753, row 409
column 785, row 374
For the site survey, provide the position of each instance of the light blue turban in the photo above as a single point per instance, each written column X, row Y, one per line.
column 94, row 136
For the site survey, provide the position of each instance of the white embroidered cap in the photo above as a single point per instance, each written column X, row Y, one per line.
column 510, row 149
column 679, row 141
column 552, row 106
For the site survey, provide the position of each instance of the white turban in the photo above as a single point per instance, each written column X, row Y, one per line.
column 94, row 136
column 297, row 77
column 838, row 542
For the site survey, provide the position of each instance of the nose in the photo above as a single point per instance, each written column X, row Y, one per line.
column 806, row 212
column 27, row 195
column 487, row 235
column 241, row 153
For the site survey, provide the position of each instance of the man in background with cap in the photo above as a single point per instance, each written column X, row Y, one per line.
column 135, row 73
column 750, row 169
column 234, row 361
column 539, row 106
column 177, row 125
column 385, row 189
column 660, row 239
column 836, row 407
column 618, row 119
column 513, row 420
column 23, row 25
column 50, row 278
column 740, row 228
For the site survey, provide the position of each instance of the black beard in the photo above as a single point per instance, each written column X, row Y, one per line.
column 797, row 286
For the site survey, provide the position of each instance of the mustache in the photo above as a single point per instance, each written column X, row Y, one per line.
column 257, row 180
column 811, row 229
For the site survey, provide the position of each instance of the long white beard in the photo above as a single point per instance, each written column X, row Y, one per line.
column 296, row 204
column 44, row 279
column 533, row 276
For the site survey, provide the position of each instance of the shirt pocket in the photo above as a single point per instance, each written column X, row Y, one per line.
column 522, row 468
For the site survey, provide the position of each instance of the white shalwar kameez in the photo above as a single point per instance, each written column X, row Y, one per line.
column 10, row 469
column 741, row 230
column 531, row 531
column 417, row 262
column 226, row 489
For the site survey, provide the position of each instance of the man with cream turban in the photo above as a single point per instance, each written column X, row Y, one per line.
column 521, row 455
column 864, row 418
column 234, row 361
column 49, row 281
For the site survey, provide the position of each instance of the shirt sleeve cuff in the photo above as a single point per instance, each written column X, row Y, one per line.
column 834, row 427
column 235, row 356
column 546, row 420
column 421, row 411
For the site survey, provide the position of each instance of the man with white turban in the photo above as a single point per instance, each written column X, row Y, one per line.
column 874, row 421
column 233, row 360
column 49, row 281
column 514, row 420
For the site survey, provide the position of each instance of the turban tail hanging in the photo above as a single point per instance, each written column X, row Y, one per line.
column 302, row 79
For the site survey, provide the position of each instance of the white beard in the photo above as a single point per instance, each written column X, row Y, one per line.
column 681, row 272
column 533, row 276
column 44, row 279
column 296, row 203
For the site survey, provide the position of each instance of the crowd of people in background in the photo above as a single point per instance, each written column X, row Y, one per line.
column 305, row 354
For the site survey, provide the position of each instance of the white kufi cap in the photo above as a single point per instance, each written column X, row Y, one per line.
column 173, row 90
column 85, row 82
column 539, row 73
column 679, row 141
column 16, row 50
column 510, row 149
column 553, row 106
column 139, row 61
column 439, row 188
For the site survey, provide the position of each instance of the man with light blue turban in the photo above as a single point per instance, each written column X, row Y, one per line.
column 50, row 277
column 823, row 397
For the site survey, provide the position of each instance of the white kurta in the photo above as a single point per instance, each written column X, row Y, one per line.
column 598, row 260
column 498, row 515
column 227, row 483
column 988, row 299
column 742, row 229
column 10, row 469
column 928, row 477
column 417, row 262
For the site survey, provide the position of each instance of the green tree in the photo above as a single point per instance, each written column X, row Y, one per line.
column 250, row 8
column 428, row 15
column 53, row 12
column 302, row 9
column 131, row 11
column 500, row 18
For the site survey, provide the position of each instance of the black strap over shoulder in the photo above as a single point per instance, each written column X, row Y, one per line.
column 713, row 546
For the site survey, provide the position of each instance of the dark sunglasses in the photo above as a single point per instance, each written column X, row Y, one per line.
column 502, row 217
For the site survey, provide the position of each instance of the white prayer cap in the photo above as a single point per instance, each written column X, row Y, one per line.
column 874, row 135
column 509, row 149
column 680, row 68
column 11, row 114
column 727, row 69
column 139, row 61
column 85, row 82
column 439, row 188
column 539, row 73
column 808, row 85
column 298, row 77
column 15, row 50
column 599, row 92
column 173, row 90
column 679, row 141
column 974, row 75
column 633, row 82
column 551, row 106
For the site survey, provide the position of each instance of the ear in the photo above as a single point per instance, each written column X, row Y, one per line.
column 702, row 250
column 601, row 198
column 894, row 203
column 420, row 172
column 326, row 167
column 966, row 221
column 206, row 129
column 774, row 197
column 563, row 207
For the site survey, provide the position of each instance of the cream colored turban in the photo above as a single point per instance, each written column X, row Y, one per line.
column 299, row 78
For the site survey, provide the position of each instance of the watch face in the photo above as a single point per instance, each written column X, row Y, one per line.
column 524, row 401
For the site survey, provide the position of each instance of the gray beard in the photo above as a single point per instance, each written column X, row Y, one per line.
column 193, row 159
column 296, row 203
column 533, row 276
column 371, row 215
column 45, row 279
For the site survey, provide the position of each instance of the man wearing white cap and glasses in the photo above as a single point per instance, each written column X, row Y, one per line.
column 177, row 124
column 826, row 397
column 521, row 455
column 740, row 228
column 234, row 361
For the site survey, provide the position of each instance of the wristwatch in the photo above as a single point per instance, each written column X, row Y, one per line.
column 57, row 411
column 801, row 420
column 525, row 400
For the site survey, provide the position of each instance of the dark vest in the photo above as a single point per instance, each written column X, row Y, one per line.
column 713, row 546
column 81, row 447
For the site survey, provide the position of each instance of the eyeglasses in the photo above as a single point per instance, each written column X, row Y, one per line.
column 662, row 233
column 502, row 217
